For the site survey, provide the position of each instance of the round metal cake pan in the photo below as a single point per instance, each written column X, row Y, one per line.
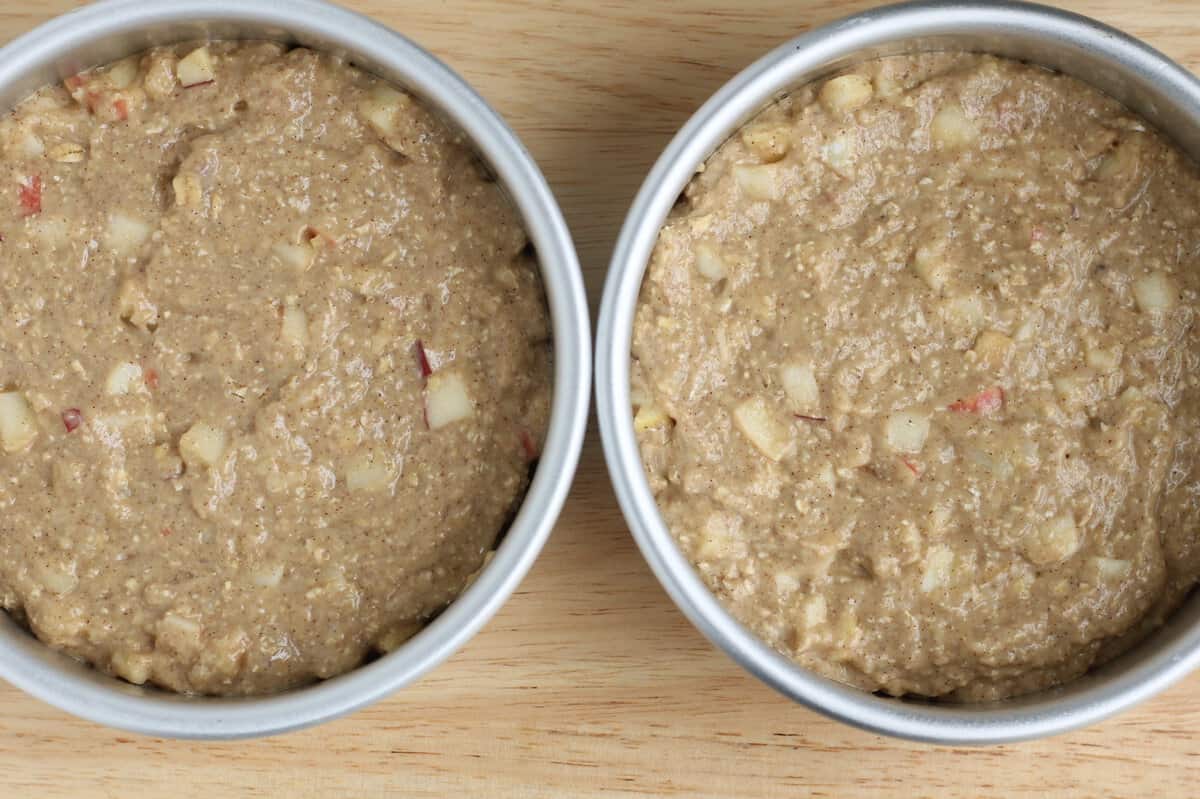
column 109, row 30
column 1122, row 67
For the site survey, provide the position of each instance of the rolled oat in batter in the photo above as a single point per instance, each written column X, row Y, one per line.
column 915, row 376
column 274, row 366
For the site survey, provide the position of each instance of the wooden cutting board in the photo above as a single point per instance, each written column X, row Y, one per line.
column 589, row 682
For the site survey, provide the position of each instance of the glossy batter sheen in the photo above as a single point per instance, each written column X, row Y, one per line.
column 275, row 363
column 915, row 376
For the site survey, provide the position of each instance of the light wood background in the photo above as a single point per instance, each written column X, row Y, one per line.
column 589, row 683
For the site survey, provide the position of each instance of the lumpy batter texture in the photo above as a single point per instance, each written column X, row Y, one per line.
column 915, row 376
column 275, row 364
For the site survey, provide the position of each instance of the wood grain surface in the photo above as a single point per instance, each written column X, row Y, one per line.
column 589, row 682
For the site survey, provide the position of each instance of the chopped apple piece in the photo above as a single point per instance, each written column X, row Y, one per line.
column 125, row 233
column 758, row 424
column 952, row 129
column 786, row 582
column 700, row 224
column 711, row 546
column 267, row 576
column 368, row 472
column 123, row 379
column 297, row 257
column 294, row 327
column 759, row 181
column 1122, row 172
column 1056, row 540
column 906, row 431
column 18, row 427
column 1132, row 397
column 178, row 633
column 768, row 142
column 196, row 68
column 1030, row 327
column 815, row 611
column 122, row 74
column 847, row 633
column 800, row 385
column 995, row 463
column 381, row 108
column 718, row 537
column 1111, row 569
column 422, row 359
column 133, row 667
column 1155, row 292
column 446, row 399
column 985, row 402
column 1104, row 359
column 650, row 416
column 825, row 479
column 856, row 450
column 966, row 310
column 840, row 153
column 931, row 265
column 939, row 563
column 57, row 580
column 135, row 307
column 1077, row 388
column 31, row 146
column 189, row 192
column 709, row 263
column 29, row 194
column 993, row 348
column 203, row 445
column 845, row 93
column 71, row 419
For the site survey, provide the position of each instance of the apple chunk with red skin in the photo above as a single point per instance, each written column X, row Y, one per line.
column 29, row 194
column 71, row 419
